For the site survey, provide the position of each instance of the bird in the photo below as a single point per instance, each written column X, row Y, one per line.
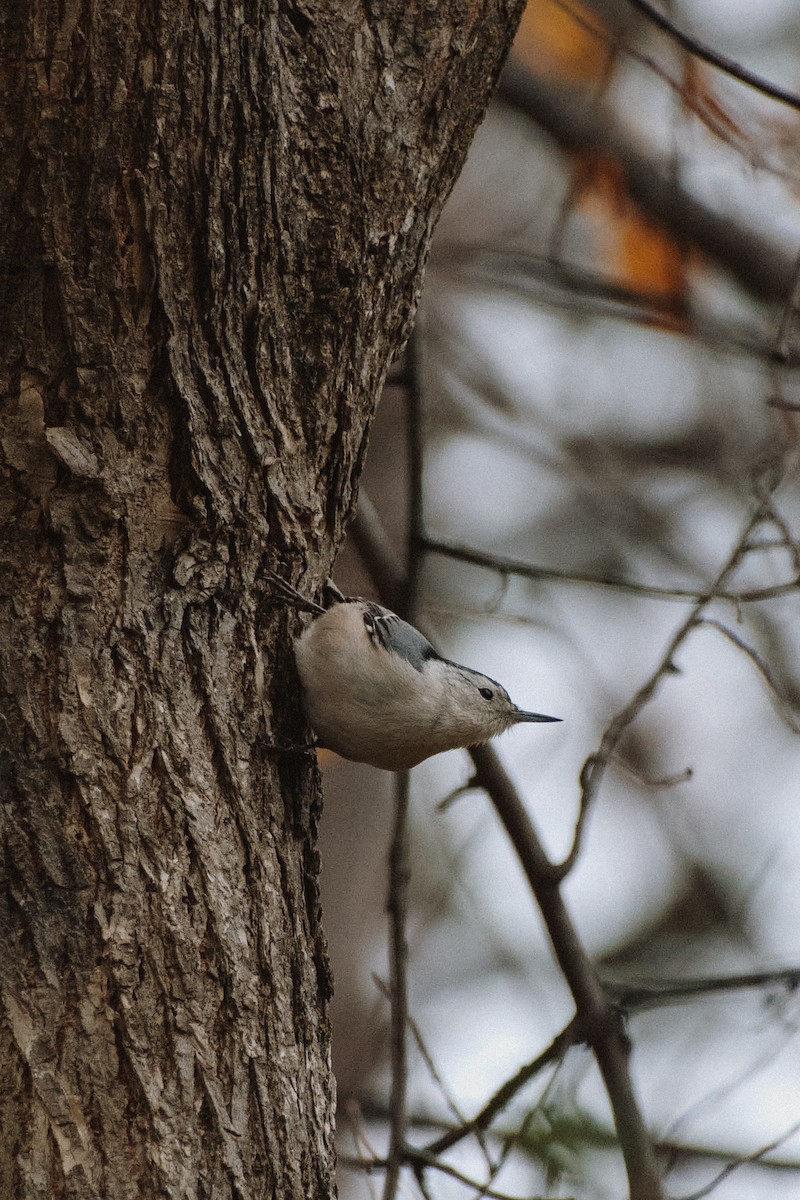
column 376, row 691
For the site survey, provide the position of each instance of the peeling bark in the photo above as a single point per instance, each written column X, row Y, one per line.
column 215, row 221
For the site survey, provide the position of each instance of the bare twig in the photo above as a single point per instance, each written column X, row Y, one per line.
column 397, row 906
column 419, row 1159
column 398, row 855
column 569, row 1129
column 553, row 1053
column 705, row 114
column 603, row 1029
column 435, row 1073
column 713, row 57
column 561, row 284
column 520, row 1135
column 631, row 996
column 745, row 1160
column 451, row 797
column 449, row 1100
column 362, row 1157
column 786, row 540
column 780, row 701
column 595, row 765
column 647, row 781
column 422, row 1183
column 512, row 566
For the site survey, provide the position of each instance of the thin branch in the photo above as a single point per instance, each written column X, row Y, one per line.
column 561, row 284
column 781, row 703
column 419, row 1159
column 513, row 566
column 647, row 781
column 398, row 855
column 519, row 1135
column 595, row 765
column 555, row 1052
column 435, row 1074
column 397, row 906
column 449, row 1100
column 785, row 542
column 457, row 792
column 612, row 40
column 713, row 57
column 362, row 1157
column 786, row 539
column 422, row 1183
column 604, row 1031
column 687, row 1150
column 745, row 1160
column 647, row 995
column 581, row 1125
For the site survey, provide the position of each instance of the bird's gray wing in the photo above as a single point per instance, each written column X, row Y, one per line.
column 390, row 632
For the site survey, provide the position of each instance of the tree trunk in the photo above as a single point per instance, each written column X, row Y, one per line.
column 215, row 218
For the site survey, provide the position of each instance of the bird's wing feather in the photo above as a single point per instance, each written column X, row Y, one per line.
column 390, row 632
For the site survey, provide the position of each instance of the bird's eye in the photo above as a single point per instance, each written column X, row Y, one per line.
column 487, row 693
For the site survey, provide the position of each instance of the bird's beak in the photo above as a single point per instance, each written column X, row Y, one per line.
column 521, row 716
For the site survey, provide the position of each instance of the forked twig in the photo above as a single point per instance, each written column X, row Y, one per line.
column 595, row 765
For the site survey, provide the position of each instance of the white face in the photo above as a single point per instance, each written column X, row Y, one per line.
column 484, row 705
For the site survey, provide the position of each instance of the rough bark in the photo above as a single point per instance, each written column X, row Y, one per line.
column 215, row 217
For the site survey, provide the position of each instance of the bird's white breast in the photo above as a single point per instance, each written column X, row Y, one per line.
column 367, row 703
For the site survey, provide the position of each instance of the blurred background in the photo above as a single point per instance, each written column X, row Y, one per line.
column 606, row 360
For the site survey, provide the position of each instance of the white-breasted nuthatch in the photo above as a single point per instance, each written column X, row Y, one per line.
column 376, row 691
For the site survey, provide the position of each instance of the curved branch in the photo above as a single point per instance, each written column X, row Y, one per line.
column 595, row 765
column 568, row 1036
column 713, row 57
column 514, row 566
